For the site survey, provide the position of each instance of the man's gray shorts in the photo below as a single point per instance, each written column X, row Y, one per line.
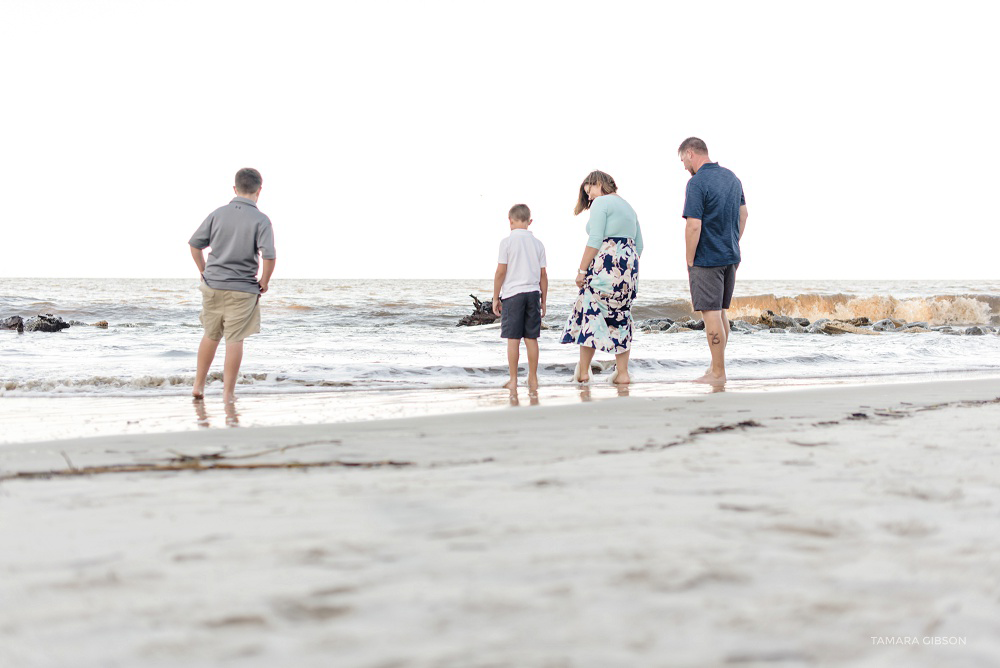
column 521, row 316
column 712, row 287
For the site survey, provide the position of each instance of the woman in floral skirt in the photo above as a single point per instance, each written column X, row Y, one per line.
column 609, row 271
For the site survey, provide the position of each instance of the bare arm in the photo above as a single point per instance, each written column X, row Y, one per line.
column 497, row 284
column 265, row 275
column 544, row 283
column 743, row 219
column 692, row 234
column 589, row 253
column 199, row 258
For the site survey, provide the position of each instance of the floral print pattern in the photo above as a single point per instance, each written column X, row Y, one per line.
column 602, row 316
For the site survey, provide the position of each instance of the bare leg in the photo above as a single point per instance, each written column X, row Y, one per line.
column 206, row 353
column 234, row 357
column 586, row 356
column 717, row 335
column 513, row 355
column 725, row 323
column 532, row 347
column 621, row 365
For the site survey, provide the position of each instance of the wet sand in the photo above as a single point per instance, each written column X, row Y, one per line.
column 826, row 526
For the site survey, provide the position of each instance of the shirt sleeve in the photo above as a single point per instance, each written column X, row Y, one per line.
column 502, row 256
column 597, row 224
column 694, row 204
column 203, row 234
column 638, row 237
column 743, row 200
column 541, row 255
column 265, row 240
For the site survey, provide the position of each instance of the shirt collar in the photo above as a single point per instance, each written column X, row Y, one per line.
column 244, row 200
column 520, row 230
column 709, row 165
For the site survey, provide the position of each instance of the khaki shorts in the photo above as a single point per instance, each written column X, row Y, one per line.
column 230, row 312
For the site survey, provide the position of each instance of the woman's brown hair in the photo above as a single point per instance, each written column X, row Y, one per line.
column 608, row 186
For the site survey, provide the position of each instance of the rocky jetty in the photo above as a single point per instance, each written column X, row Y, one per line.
column 38, row 323
column 13, row 322
column 45, row 323
column 482, row 314
column 773, row 323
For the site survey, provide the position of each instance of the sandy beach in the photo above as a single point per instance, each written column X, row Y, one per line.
column 810, row 527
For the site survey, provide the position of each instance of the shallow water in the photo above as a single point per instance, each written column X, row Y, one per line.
column 391, row 348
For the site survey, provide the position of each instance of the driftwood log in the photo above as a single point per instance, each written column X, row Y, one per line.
column 482, row 313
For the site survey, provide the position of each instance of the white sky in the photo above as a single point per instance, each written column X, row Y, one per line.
column 394, row 136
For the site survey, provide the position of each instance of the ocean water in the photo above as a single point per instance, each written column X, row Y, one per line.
column 382, row 348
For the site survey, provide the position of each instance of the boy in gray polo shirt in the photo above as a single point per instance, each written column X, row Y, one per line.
column 237, row 233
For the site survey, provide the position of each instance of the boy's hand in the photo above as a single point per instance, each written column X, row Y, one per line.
column 497, row 307
column 543, row 308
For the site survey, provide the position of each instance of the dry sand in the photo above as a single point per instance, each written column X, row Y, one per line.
column 812, row 529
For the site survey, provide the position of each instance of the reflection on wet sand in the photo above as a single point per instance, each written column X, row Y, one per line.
column 204, row 420
column 232, row 415
column 201, row 413
column 516, row 401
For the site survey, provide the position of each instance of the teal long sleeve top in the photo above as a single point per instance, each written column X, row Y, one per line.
column 611, row 216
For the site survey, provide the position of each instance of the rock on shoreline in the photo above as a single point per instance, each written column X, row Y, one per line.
column 40, row 323
column 773, row 323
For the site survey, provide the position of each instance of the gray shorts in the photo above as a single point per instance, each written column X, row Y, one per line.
column 712, row 287
column 521, row 316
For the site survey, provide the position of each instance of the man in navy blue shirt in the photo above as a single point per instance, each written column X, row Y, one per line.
column 716, row 213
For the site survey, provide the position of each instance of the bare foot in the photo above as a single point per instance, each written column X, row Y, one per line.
column 198, row 396
column 510, row 384
column 198, row 392
column 229, row 398
column 712, row 379
column 532, row 382
column 622, row 379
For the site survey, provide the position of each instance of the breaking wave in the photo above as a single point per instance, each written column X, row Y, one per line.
column 941, row 310
column 937, row 310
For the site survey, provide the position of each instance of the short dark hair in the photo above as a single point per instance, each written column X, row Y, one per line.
column 693, row 143
column 248, row 181
column 519, row 212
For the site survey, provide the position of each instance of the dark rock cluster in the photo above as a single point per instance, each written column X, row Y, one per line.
column 13, row 322
column 768, row 321
column 39, row 323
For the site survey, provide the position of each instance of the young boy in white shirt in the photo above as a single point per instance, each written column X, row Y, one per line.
column 519, row 289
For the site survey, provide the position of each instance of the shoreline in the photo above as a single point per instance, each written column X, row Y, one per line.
column 728, row 528
column 36, row 419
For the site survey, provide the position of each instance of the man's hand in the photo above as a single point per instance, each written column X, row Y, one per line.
column 497, row 306
column 263, row 287
column 543, row 308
